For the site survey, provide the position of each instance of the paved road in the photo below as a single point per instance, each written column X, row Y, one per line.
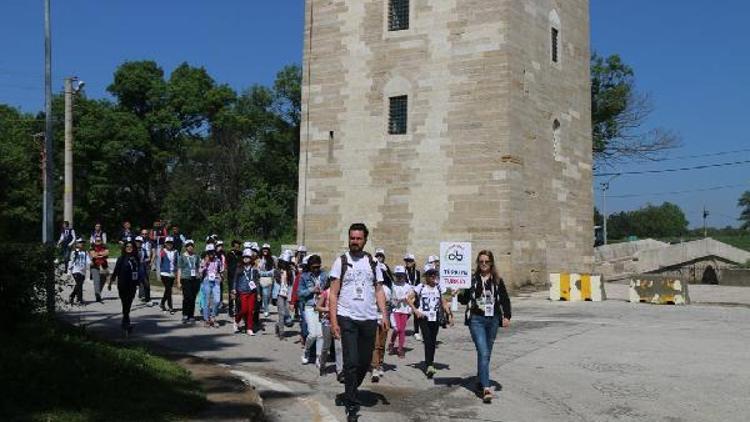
column 609, row 361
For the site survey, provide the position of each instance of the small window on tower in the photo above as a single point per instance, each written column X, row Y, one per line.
column 555, row 45
column 398, row 15
column 397, row 116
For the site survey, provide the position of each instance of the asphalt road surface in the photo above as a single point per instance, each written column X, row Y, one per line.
column 607, row 361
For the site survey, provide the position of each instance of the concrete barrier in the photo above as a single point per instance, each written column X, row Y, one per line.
column 574, row 287
column 735, row 277
column 664, row 291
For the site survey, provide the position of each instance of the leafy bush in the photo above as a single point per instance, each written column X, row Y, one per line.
column 27, row 283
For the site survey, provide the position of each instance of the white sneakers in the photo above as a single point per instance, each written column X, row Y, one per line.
column 236, row 327
column 250, row 333
column 418, row 336
column 265, row 314
column 304, row 360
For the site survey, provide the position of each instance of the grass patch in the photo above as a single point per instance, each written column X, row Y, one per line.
column 54, row 372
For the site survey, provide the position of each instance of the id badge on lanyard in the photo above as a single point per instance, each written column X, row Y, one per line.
column 250, row 281
column 488, row 304
column 359, row 290
column 134, row 272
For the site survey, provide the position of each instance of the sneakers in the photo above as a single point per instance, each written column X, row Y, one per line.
column 236, row 327
column 171, row 312
column 304, row 360
column 265, row 314
column 99, row 299
column 375, row 376
column 431, row 371
column 487, row 397
column 163, row 309
column 418, row 336
column 391, row 349
column 340, row 377
column 250, row 332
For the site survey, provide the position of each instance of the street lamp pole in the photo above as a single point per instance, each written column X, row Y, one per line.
column 48, row 199
column 605, row 188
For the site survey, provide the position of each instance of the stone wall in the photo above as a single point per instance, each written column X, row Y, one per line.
column 478, row 162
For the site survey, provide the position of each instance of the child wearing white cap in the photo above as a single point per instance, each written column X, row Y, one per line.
column 401, row 311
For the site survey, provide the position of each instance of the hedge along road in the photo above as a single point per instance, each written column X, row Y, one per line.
column 559, row 361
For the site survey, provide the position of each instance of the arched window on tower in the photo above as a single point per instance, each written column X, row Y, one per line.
column 556, row 139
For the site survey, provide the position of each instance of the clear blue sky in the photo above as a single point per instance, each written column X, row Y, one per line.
column 692, row 56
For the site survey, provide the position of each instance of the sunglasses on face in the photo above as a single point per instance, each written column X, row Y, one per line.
column 485, row 262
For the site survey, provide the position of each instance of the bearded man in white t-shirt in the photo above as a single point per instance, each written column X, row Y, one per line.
column 356, row 295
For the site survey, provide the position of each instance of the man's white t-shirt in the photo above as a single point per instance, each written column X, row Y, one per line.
column 399, row 295
column 430, row 300
column 357, row 295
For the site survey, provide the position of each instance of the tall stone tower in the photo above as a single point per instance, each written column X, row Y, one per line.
column 463, row 120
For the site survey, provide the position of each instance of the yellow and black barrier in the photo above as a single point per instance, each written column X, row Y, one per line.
column 574, row 287
column 658, row 290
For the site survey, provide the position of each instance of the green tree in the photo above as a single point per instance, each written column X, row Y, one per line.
column 619, row 113
column 20, row 175
column 665, row 220
column 744, row 202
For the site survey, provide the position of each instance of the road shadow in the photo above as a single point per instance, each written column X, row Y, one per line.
column 470, row 383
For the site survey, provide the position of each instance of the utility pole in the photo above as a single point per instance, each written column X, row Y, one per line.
column 605, row 188
column 705, row 219
column 48, row 199
column 68, row 193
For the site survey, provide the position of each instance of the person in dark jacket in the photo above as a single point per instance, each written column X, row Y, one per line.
column 234, row 258
column 488, row 307
column 127, row 274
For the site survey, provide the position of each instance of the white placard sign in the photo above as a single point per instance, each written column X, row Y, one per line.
column 455, row 265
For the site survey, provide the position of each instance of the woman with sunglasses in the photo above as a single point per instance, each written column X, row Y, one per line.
column 488, row 307
column 127, row 273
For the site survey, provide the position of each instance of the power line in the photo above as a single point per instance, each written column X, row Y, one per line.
column 680, row 192
column 712, row 154
column 674, row 170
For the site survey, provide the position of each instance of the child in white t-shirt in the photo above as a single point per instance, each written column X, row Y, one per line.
column 400, row 311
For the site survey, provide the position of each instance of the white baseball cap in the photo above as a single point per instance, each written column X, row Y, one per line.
column 247, row 252
column 400, row 269
column 219, row 243
column 266, row 246
column 380, row 251
column 210, row 247
column 139, row 238
column 286, row 256
column 247, row 245
column 169, row 239
column 433, row 258
column 429, row 268
column 409, row 257
column 189, row 242
column 301, row 248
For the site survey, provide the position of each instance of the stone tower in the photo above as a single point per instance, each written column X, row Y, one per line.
column 463, row 120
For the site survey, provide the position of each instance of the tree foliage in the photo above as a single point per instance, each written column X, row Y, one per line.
column 178, row 146
column 619, row 113
column 744, row 202
column 665, row 220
